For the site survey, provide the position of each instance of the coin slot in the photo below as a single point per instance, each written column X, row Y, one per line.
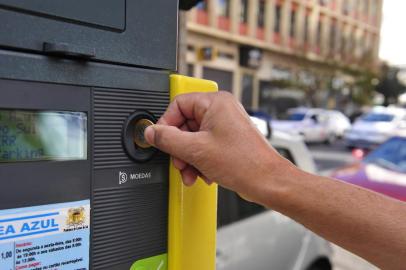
column 134, row 141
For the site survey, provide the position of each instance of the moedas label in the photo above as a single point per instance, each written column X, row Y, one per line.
column 123, row 177
column 45, row 237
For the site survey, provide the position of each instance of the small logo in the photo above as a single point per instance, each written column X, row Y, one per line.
column 122, row 178
column 76, row 217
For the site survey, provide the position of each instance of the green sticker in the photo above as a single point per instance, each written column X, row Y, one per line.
column 159, row 262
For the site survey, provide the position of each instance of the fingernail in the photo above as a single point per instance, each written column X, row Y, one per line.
column 149, row 135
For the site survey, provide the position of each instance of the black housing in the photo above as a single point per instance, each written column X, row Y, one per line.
column 107, row 58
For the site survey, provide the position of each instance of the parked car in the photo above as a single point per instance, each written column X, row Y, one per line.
column 375, row 127
column 383, row 170
column 260, row 114
column 314, row 125
column 338, row 123
column 255, row 238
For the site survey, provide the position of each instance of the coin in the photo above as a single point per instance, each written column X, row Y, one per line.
column 139, row 129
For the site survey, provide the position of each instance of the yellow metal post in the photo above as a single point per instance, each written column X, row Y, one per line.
column 192, row 210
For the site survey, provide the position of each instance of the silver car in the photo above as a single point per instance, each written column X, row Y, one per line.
column 252, row 237
column 314, row 125
column 377, row 126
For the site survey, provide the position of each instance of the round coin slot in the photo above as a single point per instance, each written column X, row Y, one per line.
column 133, row 136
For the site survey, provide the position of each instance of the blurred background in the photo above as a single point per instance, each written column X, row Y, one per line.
column 325, row 81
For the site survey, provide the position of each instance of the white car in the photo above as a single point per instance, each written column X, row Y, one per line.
column 376, row 126
column 255, row 238
column 314, row 125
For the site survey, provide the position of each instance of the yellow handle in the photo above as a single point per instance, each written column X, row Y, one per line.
column 192, row 210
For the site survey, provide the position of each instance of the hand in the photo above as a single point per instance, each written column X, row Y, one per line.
column 210, row 135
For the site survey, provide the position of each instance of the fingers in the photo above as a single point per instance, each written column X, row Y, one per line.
column 186, row 107
column 172, row 140
column 179, row 164
column 189, row 175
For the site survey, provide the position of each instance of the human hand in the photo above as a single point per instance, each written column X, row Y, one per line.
column 210, row 135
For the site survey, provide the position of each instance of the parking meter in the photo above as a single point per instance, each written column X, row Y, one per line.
column 80, row 188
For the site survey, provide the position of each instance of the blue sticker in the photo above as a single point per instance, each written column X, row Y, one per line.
column 45, row 237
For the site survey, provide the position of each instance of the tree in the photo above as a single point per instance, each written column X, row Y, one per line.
column 390, row 86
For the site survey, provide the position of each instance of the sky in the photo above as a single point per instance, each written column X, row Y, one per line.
column 393, row 36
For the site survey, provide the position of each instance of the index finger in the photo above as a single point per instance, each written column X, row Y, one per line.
column 186, row 107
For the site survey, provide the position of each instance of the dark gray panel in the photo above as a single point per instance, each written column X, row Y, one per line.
column 129, row 217
column 32, row 67
column 129, row 224
column 111, row 109
column 148, row 40
column 108, row 13
column 23, row 95
column 38, row 183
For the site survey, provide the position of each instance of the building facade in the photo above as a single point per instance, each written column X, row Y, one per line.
column 272, row 53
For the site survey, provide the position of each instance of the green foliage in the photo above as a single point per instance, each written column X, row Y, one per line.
column 364, row 88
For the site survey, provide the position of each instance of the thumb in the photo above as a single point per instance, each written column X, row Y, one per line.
column 171, row 140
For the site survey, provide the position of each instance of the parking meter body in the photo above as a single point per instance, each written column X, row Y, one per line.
column 79, row 187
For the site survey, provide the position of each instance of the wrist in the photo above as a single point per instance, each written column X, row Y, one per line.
column 281, row 182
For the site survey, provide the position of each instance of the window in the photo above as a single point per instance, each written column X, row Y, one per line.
column 350, row 44
column 227, row 211
column 232, row 208
column 222, row 77
column 224, row 8
column 202, row 16
column 190, row 70
column 378, row 117
column 292, row 23
column 261, row 14
column 343, row 44
column 247, row 90
column 285, row 153
column 306, row 27
column 261, row 20
column 318, row 34
column 277, row 23
column 296, row 117
column 333, row 34
column 248, row 209
column 202, row 6
column 391, row 155
column 224, row 14
column 244, row 11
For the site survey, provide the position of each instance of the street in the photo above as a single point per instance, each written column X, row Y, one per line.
column 328, row 158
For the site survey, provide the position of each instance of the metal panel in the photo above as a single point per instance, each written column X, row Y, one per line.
column 111, row 109
column 109, row 13
column 129, row 224
column 149, row 38
column 129, row 218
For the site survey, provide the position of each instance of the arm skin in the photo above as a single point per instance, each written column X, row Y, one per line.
column 210, row 135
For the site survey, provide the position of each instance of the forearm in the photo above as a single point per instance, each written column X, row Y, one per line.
column 212, row 136
column 366, row 223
